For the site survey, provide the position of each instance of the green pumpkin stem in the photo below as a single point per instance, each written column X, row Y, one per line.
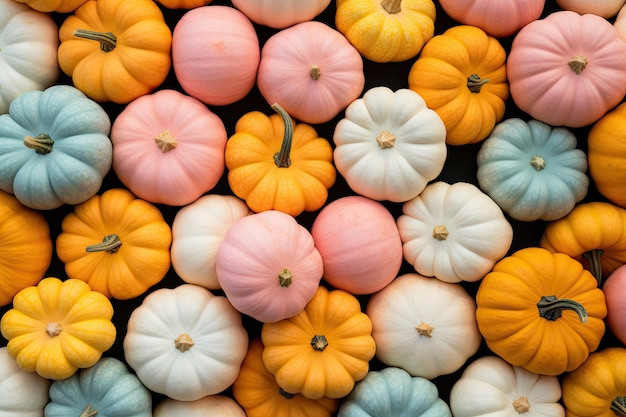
column 593, row 257
column 88, row 411
column 111, row 243
column 618, row 406
column 319, row 342
column 391, row 6
column 41, row 143
column 285, row 394
column 551, row 308
column 281, row 158
column 285, row 278
column 475, row 83
column 108, row 41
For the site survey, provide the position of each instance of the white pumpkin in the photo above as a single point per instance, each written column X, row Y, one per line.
column 425, row 326
column 211, row 405
column 29, row 40
column 197, row 231
column 22, row 394
column 389, row 144
column 185, row 342
column 453, row 232
column 491, row 386
column 280, row 14
column 602, row 8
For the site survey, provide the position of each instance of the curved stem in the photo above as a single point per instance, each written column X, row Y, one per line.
column 618, row 406
column 281, row 158
column 111, row 243
column 593, row 257
column 41, row 143
column 285, row 394
column 391, row 6
column 475, row 83
column 319, row 342
column 551, row 308
column 108, row 41
column 88, row 411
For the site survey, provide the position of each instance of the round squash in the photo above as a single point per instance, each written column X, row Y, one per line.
column 23, row 394
column 279, row 14
column 61, row 6
column 604, row 8
column 614, row 289
column 211, row 405
column 183, row 4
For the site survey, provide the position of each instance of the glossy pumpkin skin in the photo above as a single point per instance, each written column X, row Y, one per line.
column 613, row 288
column 528, row 311
column 275, row 163
column 532, row 170
column 394, row 392
column 25, row 247
column 21, row 393
column 386, row 30
column 605, row 8
column 118, row 69
column 117, row 243
column 279, row 14
column 57, row 327
column 462, row 75
column 55, row 147
column 168, row 148
column 256, row 390
column 107, row 388
column 61, row 6
column 567, row 69
column 323, row 350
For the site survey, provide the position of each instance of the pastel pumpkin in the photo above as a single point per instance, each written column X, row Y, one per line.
column 613, row 289
column 21, row 393
column 279, row 14
column 604, row 8
column 214, row 405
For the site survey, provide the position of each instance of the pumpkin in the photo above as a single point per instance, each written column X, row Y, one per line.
column 168, row 148
column 185, row 342
column 61, row 6
column 35, row 68
column 389, row 145
column 620, row 22
column 275, row 163
column 605, row 8
column 25, row 247
column 541, row 311
column 57, row 327
column 386, row 30
column 107, row 388
column 594, row 233
column 576, row 94
column 256, row 390
column 355, row 259
column 499, row 19
column 197, row 231
column 462, row 75
column 54, row 147
column 615, row 304
column 117, row 243
column 453, row 232
column 215, row 54
column 492, row 386
column 393, row 391
column 22, row 393
column 279, row 14
column 597, row 388
column 311, row 70
column 425, row 326
column 532, row 170
column 116, row 50
column 214, row 405
column 268, row 266
column 323, row 350
column 183, row 4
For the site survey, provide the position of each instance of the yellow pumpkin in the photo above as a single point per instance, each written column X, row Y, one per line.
column 117, row 243
column 323, row 350
column 386, row 30
column 461, row 74
column 275, row 164
column 57, row 327
column 115, row 50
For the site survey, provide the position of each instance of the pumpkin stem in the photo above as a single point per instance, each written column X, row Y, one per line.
column 111, row 243
column 53, row 329
column 475, row 83
column 165, row 141
column 315, row 72
column 425, row 329
column 285, row 393
column 107, row 40
column 386, row 139
column 440, row 232
column 391, row 6
column 281, row 158
column 578, row 63
column 593, row 257
column 319, row 342
column 285, row 278
column 183, row 342
column 551, row 308
column 89, row 411
column 618, row 406
column 41, row 143
column 537, row 162
column 521, row 405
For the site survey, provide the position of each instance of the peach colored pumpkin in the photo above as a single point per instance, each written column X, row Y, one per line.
column 215, row 54
column 311, row 70
column 280, row 14
column 567, row 69
column 168, row 148
column 614, row 288
column 359, row 243
column 602, row 8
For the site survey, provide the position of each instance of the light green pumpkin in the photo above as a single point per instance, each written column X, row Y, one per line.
column 533, row 171
column 394, row 392
column 107, row 389
column 54, row 147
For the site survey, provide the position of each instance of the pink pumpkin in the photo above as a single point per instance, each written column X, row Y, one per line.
column 168, row 148
column 311, row 70
column 614, row 288
column 268, row 266
column 359, row 243
column 567, row 69
column 215, row 54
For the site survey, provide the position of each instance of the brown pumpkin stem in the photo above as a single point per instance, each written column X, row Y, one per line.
column 319, row 342
column 618, row 406
column 593, row 258
column 475, row 83
column 386, row 139
column 551, row 308
column 391, row 6
column 53, row 329
column 88, row 411
column 41, row 143
column 111, row 243
column 315, row 72
column 425, row 329
column 578, row 63
column 108, row 41
column 537, row 162
column 285, row 278
column 183, row 342
column 285, row 394
column 521, row 405
column 440, row 232
column 165, row 141
column 282, row 158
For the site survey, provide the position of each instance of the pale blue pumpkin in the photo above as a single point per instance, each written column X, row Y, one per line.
column 54, row 147
column 532, row 170
column 107, row 389
column 394, row 392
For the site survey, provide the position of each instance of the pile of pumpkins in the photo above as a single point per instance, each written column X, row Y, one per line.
column 312, row 208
